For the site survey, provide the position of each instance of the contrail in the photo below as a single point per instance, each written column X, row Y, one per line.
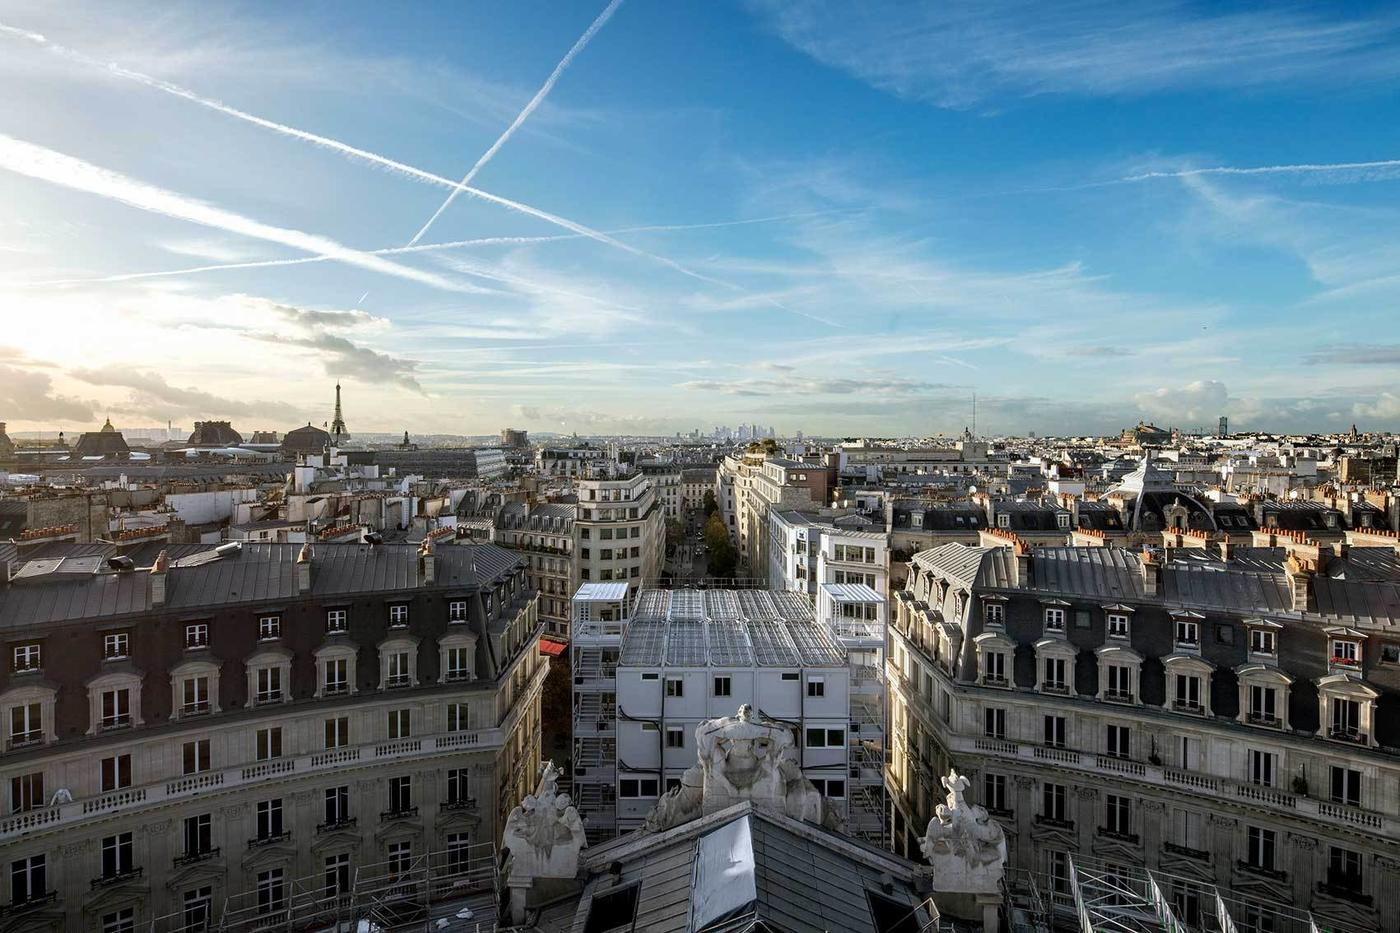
column 426, row 248
column 37, row 162
column 351, row 151
column 524, row 114
column 1301, row 169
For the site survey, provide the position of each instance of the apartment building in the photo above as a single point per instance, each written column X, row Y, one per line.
column 644, row 679
column 1220, row 718
column 666, row 481
column 568, row 461
column 619, row 530
column 807, row 549
column 751, row 486
column 695, row 482
column 194, row 733
column 543, row 534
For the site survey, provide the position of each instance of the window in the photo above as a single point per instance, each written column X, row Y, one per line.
column 337, row 874
column 337, row 620
column 1054, row 619
column 197, row 635
column 457, row 611
column 1344, row 869
column 458, row 664
column 397, row 669
column 26, row 724
column 1260, row 850
column 994, row 792
column 196, row 756
column 271, row 891
column 993, row 614
column 336, row 672
column 1346, row 653
column 1052, row 802
column 337, row 802
column 675, row 687
column 1263, row 705
column 1118, row 814
column 1346, row 786
column 268, row 687
column 117, row 856
column 337, row 732
column 1055, row 679
column 400, row 723
column 1262, row 641
column 194, row 695
column 994, row 722
column 816, row 687
column 1263, row 768
column 459, row 787
column 1118, row 742
column 458, row 717
column 675, row 737
column 198, row 910
column 1055, row 731
column 826, row 738
column 834, row 788
column 26, row 658
column 115, row 646
column 994, row 667
column 788, row 675
column 398, row 616
column 269, row 819
column 198, row 835
column 120, row 921
column 401, row 794
column 1057, row 865
column 27, row 792
column 723, row 686
column 632, row 788
column 1117, row 625
column 116, row 708
column 28, row 879
column 269, row 627
column 1188, row 634
column 1120, row 683
column 269, row 743
column 1188, row 692
column 116, row 773
column 1346, row 719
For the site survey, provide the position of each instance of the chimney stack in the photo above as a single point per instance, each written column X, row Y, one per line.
column 1300, row 576
column 304, row 569
column 427, row 560
column 1151, row 572
column 158, row 578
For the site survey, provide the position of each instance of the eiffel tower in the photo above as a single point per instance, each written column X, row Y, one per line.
column 338, row 432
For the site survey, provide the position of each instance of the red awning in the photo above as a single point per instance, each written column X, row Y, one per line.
column 553, row 648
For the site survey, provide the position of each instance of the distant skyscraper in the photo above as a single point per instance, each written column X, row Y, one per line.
column 1224, row 426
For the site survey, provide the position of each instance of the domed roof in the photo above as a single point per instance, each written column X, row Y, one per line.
column 305, row 440
column 214, row 434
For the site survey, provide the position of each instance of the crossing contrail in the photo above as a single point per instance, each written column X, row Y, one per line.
column 33, row 161
column 524, row 114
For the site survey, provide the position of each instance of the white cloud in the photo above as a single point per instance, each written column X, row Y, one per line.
column 1185, row 405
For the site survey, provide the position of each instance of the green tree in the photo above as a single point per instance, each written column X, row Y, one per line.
column 723, row 558
column 711, row 506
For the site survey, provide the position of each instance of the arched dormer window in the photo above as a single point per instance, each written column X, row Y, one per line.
column 1188, row 683
column 1263, row 695
column 1120, row 670
column 1054, row 666
column 994, row 654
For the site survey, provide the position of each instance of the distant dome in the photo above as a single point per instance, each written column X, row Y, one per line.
column 107, row 426
column 107, row 443
column 214, row 434
column 306, row 440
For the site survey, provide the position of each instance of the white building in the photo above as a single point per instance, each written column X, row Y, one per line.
column 807, row 549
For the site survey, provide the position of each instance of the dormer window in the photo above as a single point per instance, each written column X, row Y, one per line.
column 1117, row 624
column 1062, row 519
column 993, row 615
column 457, row 611
column 1003, row 520
column 1263, row 641
column 337, row 620
column 196, row 636
column 398, row 616
column 1188, row 633
column 1346, row 653
column 27, row 658
column 269, row 628
column 115, row 646
column 1054, row 620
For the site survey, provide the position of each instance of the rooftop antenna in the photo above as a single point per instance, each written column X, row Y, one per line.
column 974, row 414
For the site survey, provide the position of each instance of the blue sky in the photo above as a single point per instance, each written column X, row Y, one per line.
column 843, row 218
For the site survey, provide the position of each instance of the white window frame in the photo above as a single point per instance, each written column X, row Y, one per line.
column 269, row 627
column 329, row 655
column 181, row 673
column 268, row 659
column 456, row 641
column 27, row 657
column 116, row 646
column 337, row 620
column 100, row 685
column 25, row 697
column 392, row 648
column 196, row 636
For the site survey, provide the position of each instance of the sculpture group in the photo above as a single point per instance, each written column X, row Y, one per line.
column 965, row 846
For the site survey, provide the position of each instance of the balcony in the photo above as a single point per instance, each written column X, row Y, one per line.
column 1054, row 822
column 1262, row 871
column 335, row 690
column 25, row 739
column 995, row 680
column 267, row 697
column 259, row 842
column 194, row 858
column 1199, row 855
column 25, row 905
column 111, row 723
column 115, row 878
column 1188, row 706
column 1344, row 887
column 346, row 822
column 396, row 681
column 1341, row 665
column 1055, row 687
column 1268, row 720
column 193, row 709
column 461, row 803
column 405, row 813
column 1118, row 696
column 1130, row 838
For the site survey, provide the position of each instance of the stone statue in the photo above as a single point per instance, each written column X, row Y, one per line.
column 543, row 837
column 742, row 757
column 965, row 846
column 61, row 796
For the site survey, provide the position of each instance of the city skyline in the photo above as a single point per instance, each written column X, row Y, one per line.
column 685, row 216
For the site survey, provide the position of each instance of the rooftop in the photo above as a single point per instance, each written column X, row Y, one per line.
column 726, row 628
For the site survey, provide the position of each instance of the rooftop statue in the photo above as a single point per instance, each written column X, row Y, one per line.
column 965, row 846
column 743, row 757
column 544, row 834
